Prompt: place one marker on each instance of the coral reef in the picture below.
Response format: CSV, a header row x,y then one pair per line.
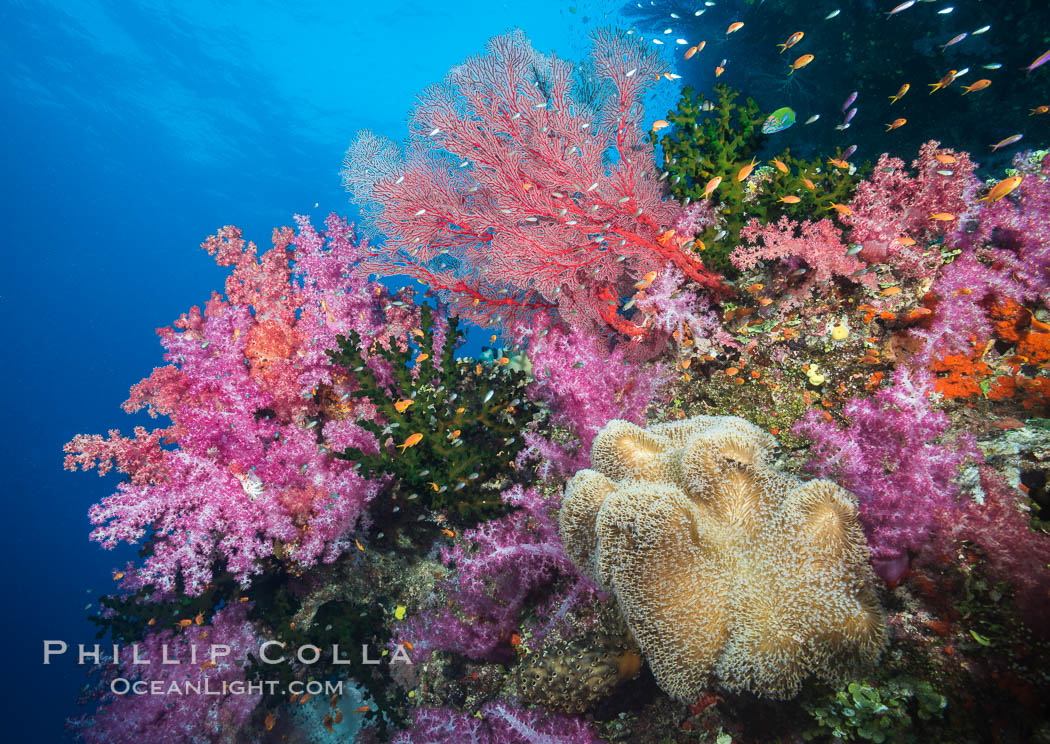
x,y
725,568
456,420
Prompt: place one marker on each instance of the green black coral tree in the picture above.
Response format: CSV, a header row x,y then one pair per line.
x,y
448,429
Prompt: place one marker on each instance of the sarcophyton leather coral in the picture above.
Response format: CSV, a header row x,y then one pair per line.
x,y
725,568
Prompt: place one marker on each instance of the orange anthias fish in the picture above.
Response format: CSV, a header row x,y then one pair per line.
x,y
363,709
719,70
942,216
327,723
645,280
896,124
269,721
945,159
412,441
118,576
790,199
801,62
734,26
745,171
1002,188
839,163
841,209
402,405
780,166
795,38
660,124
809,184
944,82
711,186
1039,110
978,85
900,94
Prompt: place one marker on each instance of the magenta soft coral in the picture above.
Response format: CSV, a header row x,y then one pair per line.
x,y
497,723
497,566
892,204
517,198
892,456
585,385
242,392
197,717
815,248
1015,553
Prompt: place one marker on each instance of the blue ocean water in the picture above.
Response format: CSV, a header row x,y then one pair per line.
x,y
132,131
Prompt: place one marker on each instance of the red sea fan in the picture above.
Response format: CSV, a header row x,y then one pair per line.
x,y
522,190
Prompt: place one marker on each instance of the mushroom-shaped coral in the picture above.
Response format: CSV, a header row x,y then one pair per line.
x,y
724,567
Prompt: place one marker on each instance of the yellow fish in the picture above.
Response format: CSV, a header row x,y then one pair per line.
x,y
795,38
900,94
711,186
801,62
402,405
809,184
979,85
944,82
412,441
790,199
422,357
734,26
839,163
841,209
745,171
942,216
645,280
780,165
896,124
1002,188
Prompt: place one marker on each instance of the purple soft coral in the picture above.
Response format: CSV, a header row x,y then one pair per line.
x,y
247,387
498,723
198,716
497,566
889,457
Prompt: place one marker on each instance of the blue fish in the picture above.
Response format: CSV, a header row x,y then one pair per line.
x,y
778,121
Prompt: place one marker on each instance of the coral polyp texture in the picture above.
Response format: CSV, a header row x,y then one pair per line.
x,y
725,568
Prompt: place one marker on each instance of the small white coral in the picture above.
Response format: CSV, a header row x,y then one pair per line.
x,y
724,567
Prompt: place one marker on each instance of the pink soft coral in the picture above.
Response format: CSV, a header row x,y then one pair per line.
x,y
893,204
247,388
814,249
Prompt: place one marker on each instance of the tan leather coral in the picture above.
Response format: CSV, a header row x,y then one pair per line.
x,y
724,567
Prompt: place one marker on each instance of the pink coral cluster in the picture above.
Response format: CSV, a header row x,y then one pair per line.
x,y
811,251
893,204
584,385
152,716
891,455
247,386
498,565
497,723
518,196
